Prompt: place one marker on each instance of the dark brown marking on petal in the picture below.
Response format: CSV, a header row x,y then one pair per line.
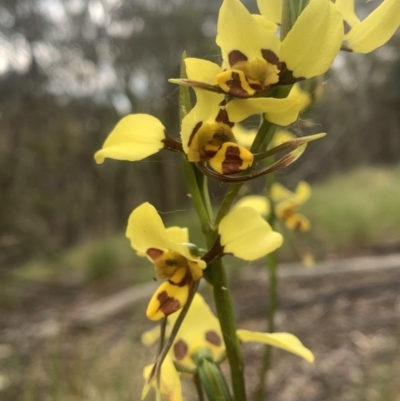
x,y
346,27
270,56
232,162
209,154
222,117
286,76
298,226
235,56
154,253
180,350
168,304
235,87
223,103
213,338
186,280
195,129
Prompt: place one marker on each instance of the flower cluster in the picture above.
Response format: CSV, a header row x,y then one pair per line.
x,y
265,57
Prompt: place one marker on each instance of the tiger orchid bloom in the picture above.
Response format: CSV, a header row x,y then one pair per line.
x,y
254,58
286,204
208,129
180,263
198,335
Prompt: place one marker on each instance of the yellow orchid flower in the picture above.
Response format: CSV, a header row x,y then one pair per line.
x,y
197,334
208,129
254,57
169,251
286,205
374,31
174,257
360,36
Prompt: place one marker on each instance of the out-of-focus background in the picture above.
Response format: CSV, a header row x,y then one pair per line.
x,y
69,70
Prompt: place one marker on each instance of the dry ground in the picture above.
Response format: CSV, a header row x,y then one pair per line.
x,y
351,321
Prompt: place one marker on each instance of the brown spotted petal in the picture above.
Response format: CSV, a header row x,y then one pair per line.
x,y
170,295
231,158
200,329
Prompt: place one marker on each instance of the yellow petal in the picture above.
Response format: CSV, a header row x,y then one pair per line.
x,y
177,234
346,8
268,25
202,70
279,193
239,31
135,137
278,111
196,333
303,192
170,385
285,341
146,229
170,296
231,158
280,137
376,29
149,337
315,39
245,137
271,10
301,96
257,202
246,235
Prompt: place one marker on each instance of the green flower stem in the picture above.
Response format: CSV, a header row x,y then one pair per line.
x,y
197,196
224,306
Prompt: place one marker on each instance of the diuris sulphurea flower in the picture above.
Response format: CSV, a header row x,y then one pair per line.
x,y
255,59
286,204
200,337
180,263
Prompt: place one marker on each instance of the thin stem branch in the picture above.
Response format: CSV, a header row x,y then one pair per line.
x,y
224,306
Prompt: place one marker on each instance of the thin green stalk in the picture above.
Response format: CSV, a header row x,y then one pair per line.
x,y
197,195
224,306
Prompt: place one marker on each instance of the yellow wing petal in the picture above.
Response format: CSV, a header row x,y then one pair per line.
x,y
257,202
135,137
246,235
376,29
285,341
146,229
315,39
271,10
